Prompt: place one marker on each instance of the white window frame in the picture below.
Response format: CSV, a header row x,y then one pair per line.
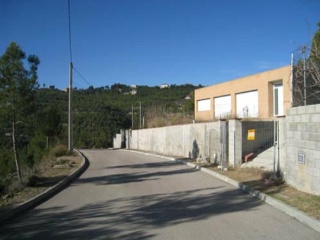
x,y
278,108
204,105
222,107
249,109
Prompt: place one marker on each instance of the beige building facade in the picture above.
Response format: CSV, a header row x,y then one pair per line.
x,y
261,96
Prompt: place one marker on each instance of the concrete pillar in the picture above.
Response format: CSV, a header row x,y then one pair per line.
x,y
235,143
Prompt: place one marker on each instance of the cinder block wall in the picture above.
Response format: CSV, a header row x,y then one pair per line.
x,y
303,148
119,140
235,143
298,144
282,145
192,140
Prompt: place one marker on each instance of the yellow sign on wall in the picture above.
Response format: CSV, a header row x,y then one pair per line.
x,y
251,134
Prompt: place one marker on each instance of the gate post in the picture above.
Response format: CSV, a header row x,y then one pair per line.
x,y
235,143
224,144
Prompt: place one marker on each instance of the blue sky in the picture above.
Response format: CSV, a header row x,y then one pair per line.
x,y
150,42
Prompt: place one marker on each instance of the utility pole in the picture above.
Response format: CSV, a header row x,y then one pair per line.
x,y
131,116
70,119
140,114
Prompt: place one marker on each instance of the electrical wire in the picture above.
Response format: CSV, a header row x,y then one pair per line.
x,y
70,45
83,78
70,48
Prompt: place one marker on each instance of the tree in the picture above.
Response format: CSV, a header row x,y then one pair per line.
x,y
17,86
306,78
315,47
49,122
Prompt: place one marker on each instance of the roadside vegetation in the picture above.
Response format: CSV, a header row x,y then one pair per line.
x,y
277,188
55,166
33,119
306,77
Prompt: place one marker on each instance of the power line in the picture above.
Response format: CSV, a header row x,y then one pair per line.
x,y
70,45
83,78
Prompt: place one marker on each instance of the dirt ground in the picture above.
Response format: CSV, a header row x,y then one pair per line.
x,y
265,182
45,176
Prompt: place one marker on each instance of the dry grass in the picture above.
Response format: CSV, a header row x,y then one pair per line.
x,y
168,120
47,174
262,181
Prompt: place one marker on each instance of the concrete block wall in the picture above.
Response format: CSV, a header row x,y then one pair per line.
x,y
192,140
298,149
119,140
303,148
282,145
235,143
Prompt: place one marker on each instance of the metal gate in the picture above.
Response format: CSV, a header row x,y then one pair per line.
x,y
260,146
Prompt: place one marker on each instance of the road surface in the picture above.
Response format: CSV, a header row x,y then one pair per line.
x,y
127,195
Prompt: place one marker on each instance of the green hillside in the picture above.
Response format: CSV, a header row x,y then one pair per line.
x,y
99,113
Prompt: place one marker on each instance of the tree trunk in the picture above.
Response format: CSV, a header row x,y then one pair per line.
x,y
15,151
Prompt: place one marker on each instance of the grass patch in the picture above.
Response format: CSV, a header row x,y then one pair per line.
x,y
59,150
41,177
262,181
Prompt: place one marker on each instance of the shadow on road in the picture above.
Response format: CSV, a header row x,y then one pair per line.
x,y
146,165
128,218
124,178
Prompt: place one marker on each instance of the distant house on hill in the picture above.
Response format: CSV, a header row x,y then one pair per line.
x,y
134,90
187,97
164,85
264,95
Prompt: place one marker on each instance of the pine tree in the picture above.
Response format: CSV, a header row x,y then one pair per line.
x,y
17,88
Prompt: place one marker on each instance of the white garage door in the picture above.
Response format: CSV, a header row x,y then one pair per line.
x,y
222,107
204,105
247,104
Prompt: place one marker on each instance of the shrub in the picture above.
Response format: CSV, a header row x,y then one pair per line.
x,y
59,150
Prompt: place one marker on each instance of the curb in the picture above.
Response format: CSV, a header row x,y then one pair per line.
x,y
50,192
290,211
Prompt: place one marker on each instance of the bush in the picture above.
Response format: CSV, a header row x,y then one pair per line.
x,y
59,151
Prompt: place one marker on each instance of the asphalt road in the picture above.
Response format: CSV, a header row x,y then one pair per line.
x,y
126,195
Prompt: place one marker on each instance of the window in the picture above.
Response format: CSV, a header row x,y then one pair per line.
x,y
222,107
204,105
278,99
247,104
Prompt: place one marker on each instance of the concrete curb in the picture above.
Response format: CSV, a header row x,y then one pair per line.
x,y
7,214
292,212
